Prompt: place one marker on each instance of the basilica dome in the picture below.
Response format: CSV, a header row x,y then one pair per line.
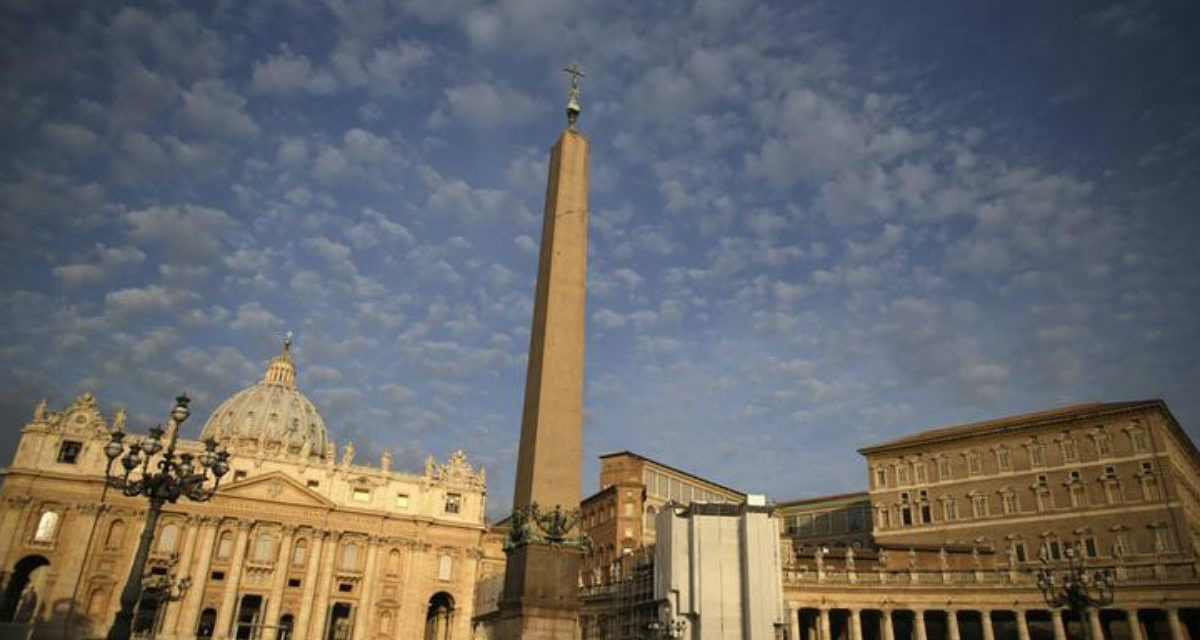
x,y
273,413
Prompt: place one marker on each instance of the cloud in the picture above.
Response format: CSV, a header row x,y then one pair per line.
x,y
252,316
485,104
211,108
186,232
286,72
102,263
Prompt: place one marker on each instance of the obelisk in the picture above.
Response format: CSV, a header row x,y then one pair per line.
x,y
541,594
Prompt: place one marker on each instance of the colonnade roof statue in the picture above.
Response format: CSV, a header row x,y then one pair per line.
x,y
273,412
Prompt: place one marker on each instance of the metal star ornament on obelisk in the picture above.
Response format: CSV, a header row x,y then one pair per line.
x,y
541,582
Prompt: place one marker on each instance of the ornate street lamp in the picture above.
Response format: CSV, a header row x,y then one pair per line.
x,y
161,588
176,475
1075,587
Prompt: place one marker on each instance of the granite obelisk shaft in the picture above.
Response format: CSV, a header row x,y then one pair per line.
x,y
541,596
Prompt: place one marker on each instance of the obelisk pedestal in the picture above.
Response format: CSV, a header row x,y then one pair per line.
x,y
541,592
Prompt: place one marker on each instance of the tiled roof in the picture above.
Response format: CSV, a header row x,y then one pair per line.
x,y
667,466
1010,423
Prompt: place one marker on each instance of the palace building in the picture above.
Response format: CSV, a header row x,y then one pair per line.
x,y
947,541
298,544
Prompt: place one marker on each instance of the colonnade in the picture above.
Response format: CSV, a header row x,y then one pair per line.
x,y
896,623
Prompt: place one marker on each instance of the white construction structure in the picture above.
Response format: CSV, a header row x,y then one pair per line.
x,y
717,567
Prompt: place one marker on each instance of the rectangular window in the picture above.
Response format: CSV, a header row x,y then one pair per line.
x,y
1037,455
922,472
676,490
950,509
1002,461
1055,549
880,477
453,502
628,509
902,474
1103,444
1089,547
1010,503
401,501
906,515
68,451
926,514
445,567
313,484
1020,549
943,468
979,506
1138,437
293,583
361,495
1069,450
239,475
974,466
687,494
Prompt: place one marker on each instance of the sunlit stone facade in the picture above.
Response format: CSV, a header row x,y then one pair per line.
x,y
299,543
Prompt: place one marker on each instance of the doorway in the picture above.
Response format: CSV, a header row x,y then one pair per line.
x,y
21,596
247,623
339,622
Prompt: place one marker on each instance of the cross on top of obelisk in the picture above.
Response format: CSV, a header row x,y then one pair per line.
x,y
573,108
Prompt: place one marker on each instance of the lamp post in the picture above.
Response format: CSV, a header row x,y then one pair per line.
x,y
1075,587
164,588
176,475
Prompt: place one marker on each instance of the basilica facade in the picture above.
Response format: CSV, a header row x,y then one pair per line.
x,y
299,543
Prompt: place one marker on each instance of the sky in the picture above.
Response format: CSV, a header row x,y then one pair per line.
x,y
814,226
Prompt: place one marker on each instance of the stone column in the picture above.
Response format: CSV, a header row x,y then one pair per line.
x,y
919,625
18,507
985,621
316,625
856,624
199,570
885,624
1093,623
183,568
1060,631
1178,631
313,562
362,619
282,563
1022,625
229,597
952,624
826,633
1135,625
794,623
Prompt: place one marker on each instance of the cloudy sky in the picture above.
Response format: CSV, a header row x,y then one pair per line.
x,y
814,225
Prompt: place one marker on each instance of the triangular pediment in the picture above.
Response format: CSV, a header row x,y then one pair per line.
x,y
274,487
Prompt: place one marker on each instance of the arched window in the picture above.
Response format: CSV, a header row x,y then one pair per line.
x,y
47,527
393,562
97,602
350,557
225,546
116,534
298,553
262,547
168,537
208,620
